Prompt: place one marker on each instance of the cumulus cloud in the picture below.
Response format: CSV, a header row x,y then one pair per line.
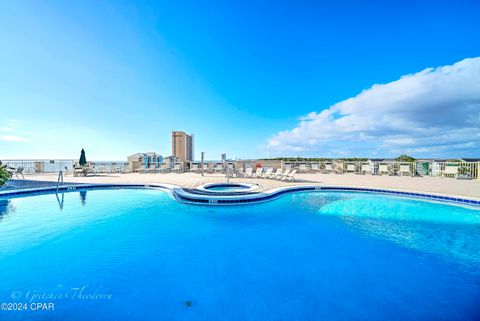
x,y
435,111
10,126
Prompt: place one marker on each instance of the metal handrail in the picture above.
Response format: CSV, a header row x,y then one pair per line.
x,y
60,177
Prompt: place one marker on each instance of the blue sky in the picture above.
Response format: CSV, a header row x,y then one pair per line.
x,y
247,78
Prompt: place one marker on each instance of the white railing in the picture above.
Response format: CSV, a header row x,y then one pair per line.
x,y
32,166
455,169
110,167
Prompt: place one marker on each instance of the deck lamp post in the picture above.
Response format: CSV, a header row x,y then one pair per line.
x,y
203,157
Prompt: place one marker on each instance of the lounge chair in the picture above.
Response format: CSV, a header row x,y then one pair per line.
x,y
83,170
238,172
19,170
290,176
141,169
405,169
177,168
328,167
281,175
451,171
194,168
350,168
267,173
366,168
249,172
315,167
205,168
303,168
383,169
278,172
258,172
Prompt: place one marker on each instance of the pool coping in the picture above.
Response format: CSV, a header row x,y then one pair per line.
x,y
215,199
250,188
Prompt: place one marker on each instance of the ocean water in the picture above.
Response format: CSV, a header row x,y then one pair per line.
x,y
137,254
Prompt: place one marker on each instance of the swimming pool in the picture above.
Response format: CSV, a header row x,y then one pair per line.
x,y
138,254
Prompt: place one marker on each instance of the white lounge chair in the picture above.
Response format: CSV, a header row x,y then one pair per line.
x,y
290,176
267,173
177,168
366,168
451,171
303,167
315,167
19,171
281,175
258,172
205,168
249,172
194,168
328,167
350,168
405,169
278,172
383,169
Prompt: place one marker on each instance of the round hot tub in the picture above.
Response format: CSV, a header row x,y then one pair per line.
x,y
227,188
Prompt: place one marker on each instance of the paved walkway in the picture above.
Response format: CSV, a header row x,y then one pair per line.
x,y
435,185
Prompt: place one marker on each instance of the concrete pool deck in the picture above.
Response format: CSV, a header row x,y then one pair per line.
x,y
433,185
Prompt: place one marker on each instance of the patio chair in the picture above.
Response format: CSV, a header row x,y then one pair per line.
x,y
205,168
451,171
405,169
383,169
141,169
267,173
239,172
281,175
315,167
350,168
303,167
290,176
278,172
365,168
249,172
328,168
258,172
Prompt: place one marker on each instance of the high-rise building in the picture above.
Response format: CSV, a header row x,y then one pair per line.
x,y
182,146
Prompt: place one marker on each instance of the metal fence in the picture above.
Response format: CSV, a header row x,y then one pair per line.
x,y
455,169
110,167
32,166
468,170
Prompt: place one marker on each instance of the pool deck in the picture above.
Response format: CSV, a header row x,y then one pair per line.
x,y
433,185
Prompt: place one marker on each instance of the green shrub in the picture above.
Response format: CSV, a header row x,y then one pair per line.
x,y
4,176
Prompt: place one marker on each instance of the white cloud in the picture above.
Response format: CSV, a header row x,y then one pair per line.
x,y
10,138
11,126
435,111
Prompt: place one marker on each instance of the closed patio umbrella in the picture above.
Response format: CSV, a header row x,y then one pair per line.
x,y
83,159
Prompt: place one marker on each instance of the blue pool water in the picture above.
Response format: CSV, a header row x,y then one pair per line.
x,y
139,255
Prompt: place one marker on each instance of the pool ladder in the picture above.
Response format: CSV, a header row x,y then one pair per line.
x,y
60,179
